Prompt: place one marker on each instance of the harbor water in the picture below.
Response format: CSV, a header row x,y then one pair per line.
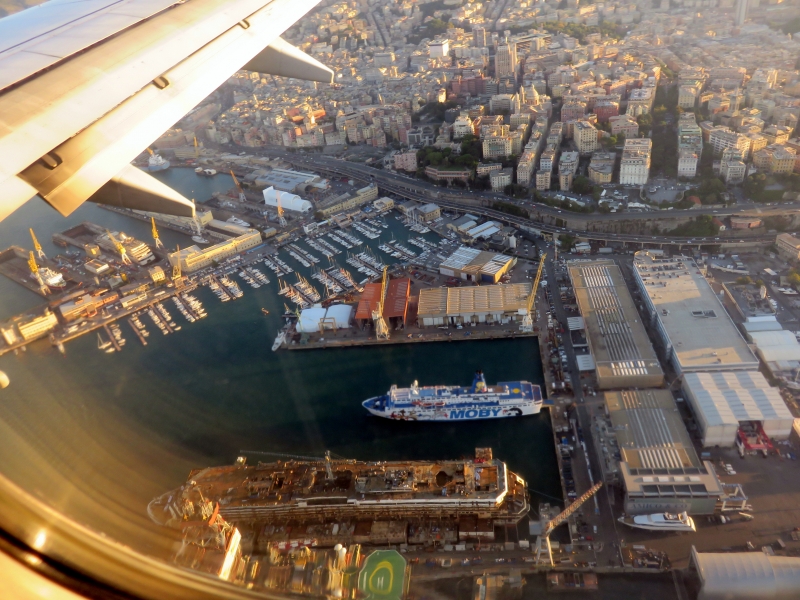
x,y
129,425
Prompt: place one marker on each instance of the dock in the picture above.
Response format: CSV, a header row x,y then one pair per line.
x,y
405,338
114,341
137,332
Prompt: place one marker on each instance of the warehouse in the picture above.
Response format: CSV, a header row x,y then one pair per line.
x,y
287,200
694,328
317,318
367,303
746,575
395,307
779,350
477,304
471,264
618,342
721,402
658,466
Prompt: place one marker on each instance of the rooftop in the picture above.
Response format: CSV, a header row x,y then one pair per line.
x,y
619,342
483,299
700,332
649,430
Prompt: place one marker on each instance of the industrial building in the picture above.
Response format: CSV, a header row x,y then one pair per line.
x,y
474,304
691,322
658,466
746,575
287,180
317,319
471,264
287,200
721,402
621,351
194,258
395,305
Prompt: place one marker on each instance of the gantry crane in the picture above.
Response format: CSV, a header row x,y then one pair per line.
x,y
381,329
527,320
156,239
123,253
242,197
281,220
543,541
37,246
36,275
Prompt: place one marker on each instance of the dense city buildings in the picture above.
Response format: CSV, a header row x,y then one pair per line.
x,y
635,164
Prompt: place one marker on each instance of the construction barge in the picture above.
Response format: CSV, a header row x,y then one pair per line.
x,y
326,502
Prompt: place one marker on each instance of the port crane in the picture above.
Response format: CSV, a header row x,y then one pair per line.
x,y
242,197
527,320
196,149
543,541
37,246
35,272
381,329
176,268
123,253
281,219
156,239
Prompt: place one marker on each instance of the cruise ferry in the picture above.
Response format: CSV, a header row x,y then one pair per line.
x,y
52,278
456,403
156,163
661,522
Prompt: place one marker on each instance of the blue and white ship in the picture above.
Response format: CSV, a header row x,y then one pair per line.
x,y
456,403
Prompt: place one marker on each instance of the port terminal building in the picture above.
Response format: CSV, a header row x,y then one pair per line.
x,y
474,304
620,348
647,450
195,258
471,264
723,402
689,318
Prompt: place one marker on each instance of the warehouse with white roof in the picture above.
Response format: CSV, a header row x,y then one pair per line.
x,y
722,401
471,264
287,200
746,575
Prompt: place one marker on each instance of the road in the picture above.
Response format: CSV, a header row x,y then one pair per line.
x,y
317,161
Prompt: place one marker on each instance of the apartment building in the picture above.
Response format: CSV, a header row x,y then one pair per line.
x,y
721,138
635,164
601,167
496,147
585,136
775,159
624,124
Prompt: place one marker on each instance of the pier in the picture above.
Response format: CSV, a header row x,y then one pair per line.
x,y
114,341
137,332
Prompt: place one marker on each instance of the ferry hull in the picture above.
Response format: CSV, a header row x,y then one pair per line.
x,y
455,414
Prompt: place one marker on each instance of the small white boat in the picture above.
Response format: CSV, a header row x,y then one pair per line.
x,y
661,522
281,337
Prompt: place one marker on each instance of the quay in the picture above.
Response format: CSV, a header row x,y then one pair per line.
x,y
406,338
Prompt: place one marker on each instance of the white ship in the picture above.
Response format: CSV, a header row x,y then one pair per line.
x,y
456,403
156,162
52,278
239,222
281,337
661,522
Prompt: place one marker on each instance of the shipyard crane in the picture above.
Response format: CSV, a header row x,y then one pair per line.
x,y
381,329
36,275
37,246
123,253
527,320
242,197
281,220
196,149
543,541
156,239
150,151
176,268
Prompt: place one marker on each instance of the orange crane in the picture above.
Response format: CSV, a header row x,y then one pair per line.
x,y
156,239
35,272
37,246
281,220
242,197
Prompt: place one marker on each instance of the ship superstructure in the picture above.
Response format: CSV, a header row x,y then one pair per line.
x,y
457,403
135,249
480,488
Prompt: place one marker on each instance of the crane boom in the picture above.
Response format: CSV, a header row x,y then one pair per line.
x,y
238,185
381,329
37,246
543,541
123,253
527,320
156,239
35,272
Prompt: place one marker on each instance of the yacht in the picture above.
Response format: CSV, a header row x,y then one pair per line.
x,y
661,522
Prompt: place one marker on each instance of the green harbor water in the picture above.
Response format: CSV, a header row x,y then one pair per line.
x,y
98,435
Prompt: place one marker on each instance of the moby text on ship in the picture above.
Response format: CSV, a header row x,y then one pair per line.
x,y
456,403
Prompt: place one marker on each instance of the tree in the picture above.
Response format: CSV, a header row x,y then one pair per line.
x,y
794,278
567,242
746,280
582,185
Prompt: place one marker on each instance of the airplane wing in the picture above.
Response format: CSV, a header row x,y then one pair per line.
x,y
86,85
